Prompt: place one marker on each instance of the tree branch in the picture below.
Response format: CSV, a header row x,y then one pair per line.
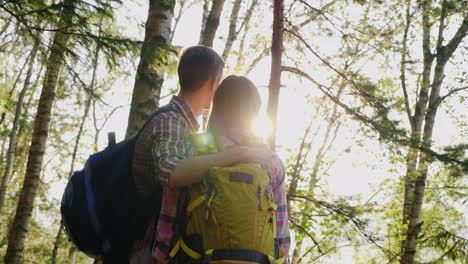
x,y
357,223
308,234
388,133
451,92
404,52
457,38
443,14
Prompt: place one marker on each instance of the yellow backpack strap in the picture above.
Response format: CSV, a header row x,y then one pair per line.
x,y
192,253
181,245
273,206
194,204
175,249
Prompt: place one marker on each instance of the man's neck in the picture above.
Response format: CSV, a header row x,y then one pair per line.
x,y
193,101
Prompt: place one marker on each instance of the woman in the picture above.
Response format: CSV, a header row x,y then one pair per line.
x,y
236,105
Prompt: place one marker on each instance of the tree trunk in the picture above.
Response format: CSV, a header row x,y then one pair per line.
x,y
415,216
415,221
326,143
58,237
25,206
77,143
148,82
275,76
212,23
206,11
14,130
13,88
420,109
246,26
177,19
297,169
232,34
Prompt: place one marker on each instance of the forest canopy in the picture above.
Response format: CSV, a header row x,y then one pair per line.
x,y
366,102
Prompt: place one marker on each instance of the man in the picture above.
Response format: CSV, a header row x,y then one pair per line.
x,y
161,154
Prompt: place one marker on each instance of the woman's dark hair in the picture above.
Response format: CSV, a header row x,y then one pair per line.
x,y
197,65
235,106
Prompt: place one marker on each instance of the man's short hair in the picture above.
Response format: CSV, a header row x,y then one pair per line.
x,y
197,65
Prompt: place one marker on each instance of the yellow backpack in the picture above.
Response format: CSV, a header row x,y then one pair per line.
x,y
231,213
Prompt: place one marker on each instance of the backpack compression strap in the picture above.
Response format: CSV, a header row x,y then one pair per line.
x,y
245,256
241,255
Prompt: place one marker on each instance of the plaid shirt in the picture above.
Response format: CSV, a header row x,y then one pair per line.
x,y
275,169
158,149
168,145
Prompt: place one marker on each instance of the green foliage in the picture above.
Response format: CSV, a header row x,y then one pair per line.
x,y
365,32
159,56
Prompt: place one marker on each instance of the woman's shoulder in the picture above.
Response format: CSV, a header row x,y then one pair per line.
x,y
275,168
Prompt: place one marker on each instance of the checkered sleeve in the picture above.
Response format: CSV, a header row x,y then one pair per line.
x,y
169,148
279,193
169,145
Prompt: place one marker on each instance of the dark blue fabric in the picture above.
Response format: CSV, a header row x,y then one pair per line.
x,y
101,210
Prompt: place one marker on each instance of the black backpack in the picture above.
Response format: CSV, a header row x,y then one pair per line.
x,y
101,211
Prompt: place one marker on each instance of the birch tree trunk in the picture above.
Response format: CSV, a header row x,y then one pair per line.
x,y
25,206
442,56
275,76
206,11
232,34
212,23
177,18
148,81
420,109
14,130
246,24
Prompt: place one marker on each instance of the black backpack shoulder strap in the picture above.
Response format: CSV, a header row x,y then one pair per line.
x,y
161,110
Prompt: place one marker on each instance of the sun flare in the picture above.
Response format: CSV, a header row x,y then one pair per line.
x,y
262,127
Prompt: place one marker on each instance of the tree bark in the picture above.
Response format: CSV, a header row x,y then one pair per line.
x,y
148,81
212,23
13,88
177,18
232,34
14,130
297,169
206,11
443,54
25,206
233,31
275,76
58,237
420,109
240,57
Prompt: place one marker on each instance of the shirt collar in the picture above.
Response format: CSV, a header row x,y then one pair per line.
x,y
186,112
